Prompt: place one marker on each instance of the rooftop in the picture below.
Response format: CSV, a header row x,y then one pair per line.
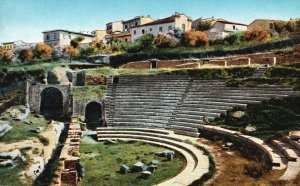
x,y
68,31
233,23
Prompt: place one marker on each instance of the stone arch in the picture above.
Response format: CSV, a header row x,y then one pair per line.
x,y
116,80
51,102
93,114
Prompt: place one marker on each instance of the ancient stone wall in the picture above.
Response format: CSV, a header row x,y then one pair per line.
x,y
161,64
35,96
80,106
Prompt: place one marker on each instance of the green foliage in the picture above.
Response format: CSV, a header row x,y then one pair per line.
x,y
146,41
76,41
161,41
10,175
271,118
291,26
86,51
89,92
204,26
128,153
280,26
22,131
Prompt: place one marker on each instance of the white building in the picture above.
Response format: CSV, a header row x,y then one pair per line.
x,y
114,27
222,28
62,38
162,26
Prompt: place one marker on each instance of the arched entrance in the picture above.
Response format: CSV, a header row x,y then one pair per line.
x,y
51,102
93,114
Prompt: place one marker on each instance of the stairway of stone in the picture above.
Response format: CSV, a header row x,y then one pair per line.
x,y
145,101
110,100
208,99
197,161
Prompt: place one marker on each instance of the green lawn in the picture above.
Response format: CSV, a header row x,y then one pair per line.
x,y
89,92
9,175
102,169
22,131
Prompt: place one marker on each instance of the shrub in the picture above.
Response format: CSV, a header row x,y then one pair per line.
x,y
25,54
5,56
42,50
71,51
161,41
204,26
257,36
86,51
279,26
146,41
290,26
196,38
76,41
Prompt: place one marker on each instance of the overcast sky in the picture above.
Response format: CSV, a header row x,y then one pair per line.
x,y
26,19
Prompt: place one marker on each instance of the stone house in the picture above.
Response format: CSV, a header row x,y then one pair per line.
x,y
137,21
262,24
11,47
114,27
99,35
61,38
222,28
162,26
212,21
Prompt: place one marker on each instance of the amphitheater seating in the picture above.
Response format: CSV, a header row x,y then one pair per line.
x,y
177,103
197,162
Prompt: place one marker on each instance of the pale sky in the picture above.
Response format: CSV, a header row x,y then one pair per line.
x,y
26,19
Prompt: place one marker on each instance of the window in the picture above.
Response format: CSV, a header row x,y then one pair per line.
x,y
169,27
183,26
134,32
150,29
271,25
55,35
126,40
126,26
233,27
161,29
136,23
47,37
143,31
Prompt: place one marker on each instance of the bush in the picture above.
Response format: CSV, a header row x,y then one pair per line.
x,y
42,50
204,26
290,26
279,26
76,41
257,36
86,51
25,54
146,41
161,41
196,38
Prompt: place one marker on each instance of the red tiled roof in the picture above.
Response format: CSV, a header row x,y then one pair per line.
x,y
233,23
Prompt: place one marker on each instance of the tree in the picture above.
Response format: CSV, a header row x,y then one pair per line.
x,y
204,26
256,36
25,54
5,56
86,51
161,41
279,26
196,38
42,50
146,41
290,25
76,41
71,51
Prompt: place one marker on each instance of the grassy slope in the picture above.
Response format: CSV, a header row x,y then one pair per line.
x,y
103,168
89,92
22,131
271,118
9,176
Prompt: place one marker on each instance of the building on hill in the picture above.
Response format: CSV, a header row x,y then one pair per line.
x,y
212,21
162,26
137,21
121,37
114,27
11,47
99,35
61,38
222,28
262,24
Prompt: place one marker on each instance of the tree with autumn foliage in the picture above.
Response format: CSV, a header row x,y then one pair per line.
x,y
25,54
71,51
257,36
42,50
196,38
5,56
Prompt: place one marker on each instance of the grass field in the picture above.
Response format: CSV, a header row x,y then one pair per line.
x,y
9,175
102,163
89,92
22,131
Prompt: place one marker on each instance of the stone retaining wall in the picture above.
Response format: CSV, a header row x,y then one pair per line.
x,y
161,64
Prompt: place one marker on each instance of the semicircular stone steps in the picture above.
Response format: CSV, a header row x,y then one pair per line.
x,y
197,162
